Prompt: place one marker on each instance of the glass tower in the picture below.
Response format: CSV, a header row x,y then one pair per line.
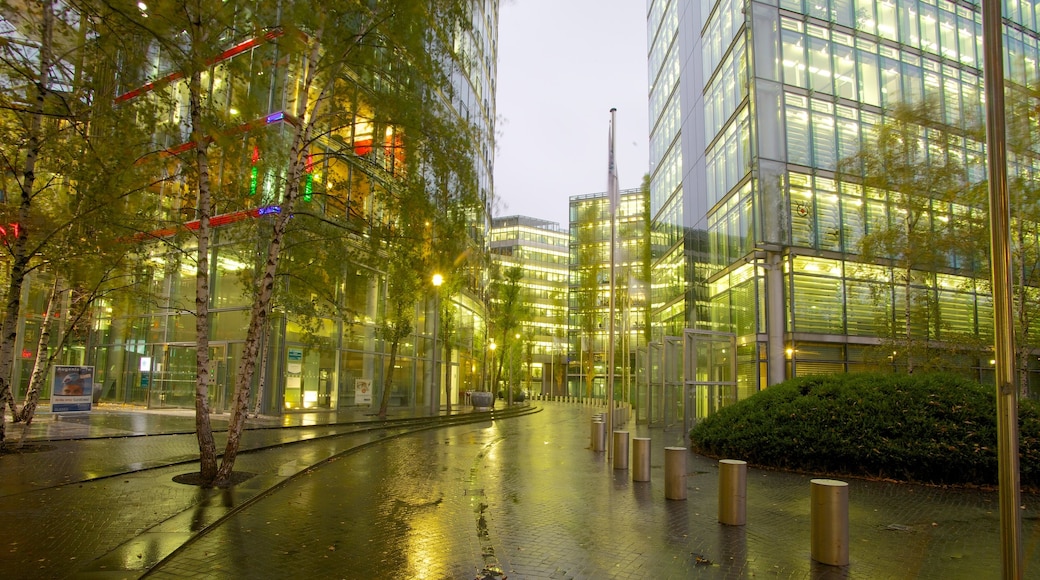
x,y
590,272
754,105
540,247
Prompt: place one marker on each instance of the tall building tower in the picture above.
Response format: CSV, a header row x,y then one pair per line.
x,y
590,293
540,248
753,107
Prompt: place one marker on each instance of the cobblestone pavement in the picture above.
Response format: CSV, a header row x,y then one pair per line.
x,y
523,495
107,508
528,497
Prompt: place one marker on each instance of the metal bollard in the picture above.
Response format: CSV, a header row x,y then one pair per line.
x,y
641,458
732,492
599,435
620,449
675,473
829,521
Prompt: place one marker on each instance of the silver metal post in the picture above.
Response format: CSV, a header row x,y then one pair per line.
x,y
732,492
829,521
641,459
599,433
620,449
675,473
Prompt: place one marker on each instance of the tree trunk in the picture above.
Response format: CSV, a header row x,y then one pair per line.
x,y
262,374
43,357
1023,314
42,364
906,298
262,302
906,321
19,255
388,384
203,427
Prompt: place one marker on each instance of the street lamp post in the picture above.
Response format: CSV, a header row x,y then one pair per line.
x,y
492,348
436,386
509,382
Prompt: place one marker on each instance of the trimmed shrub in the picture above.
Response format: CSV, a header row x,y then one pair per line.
x,y
929,428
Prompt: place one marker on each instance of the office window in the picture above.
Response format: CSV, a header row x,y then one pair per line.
x,y
797,122
820,65
824,147
869,85
794,58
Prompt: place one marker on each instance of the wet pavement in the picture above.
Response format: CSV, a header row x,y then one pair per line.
x,y
524,496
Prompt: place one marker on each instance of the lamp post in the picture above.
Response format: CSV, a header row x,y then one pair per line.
x,y
509,380
492,347
435,390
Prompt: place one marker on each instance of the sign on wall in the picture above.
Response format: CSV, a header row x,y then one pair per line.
x,y
72,389
362,391
295,362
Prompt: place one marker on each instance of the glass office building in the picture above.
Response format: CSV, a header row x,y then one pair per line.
x,y
753,105
144,349
540,248
589,312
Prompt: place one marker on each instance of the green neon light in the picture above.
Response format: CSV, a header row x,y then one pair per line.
x,y
308,187
252,180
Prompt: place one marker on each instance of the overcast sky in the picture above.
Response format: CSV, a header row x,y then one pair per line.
x,y
562,65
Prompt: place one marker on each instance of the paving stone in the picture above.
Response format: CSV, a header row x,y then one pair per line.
x,y
524,495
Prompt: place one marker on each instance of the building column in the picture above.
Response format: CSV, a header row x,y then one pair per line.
x,y
776,364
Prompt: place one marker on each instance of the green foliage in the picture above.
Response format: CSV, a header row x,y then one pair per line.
x,y
930,428
911,166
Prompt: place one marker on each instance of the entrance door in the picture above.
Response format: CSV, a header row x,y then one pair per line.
x,y
219,387
173,380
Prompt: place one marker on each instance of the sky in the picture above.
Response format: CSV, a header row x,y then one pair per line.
x,y
562,65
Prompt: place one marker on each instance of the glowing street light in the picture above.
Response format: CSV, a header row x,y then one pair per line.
x,y
436,387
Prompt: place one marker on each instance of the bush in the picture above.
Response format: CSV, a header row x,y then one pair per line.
x,y
931,428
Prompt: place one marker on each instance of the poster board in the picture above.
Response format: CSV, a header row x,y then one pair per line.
x,y
362,391
72,388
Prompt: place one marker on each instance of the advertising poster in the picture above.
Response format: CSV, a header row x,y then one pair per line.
x,y
362,391
72,389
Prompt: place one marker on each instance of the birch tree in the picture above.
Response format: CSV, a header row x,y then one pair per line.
x,y
72,171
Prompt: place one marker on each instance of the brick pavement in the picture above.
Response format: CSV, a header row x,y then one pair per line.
x,y
528,496
525,495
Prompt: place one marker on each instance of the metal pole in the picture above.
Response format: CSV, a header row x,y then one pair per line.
x,y
675,472
620,449
435,391
732,492
641,458
829,521
1003,328
612,193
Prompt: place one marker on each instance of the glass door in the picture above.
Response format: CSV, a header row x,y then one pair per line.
x,y
171,384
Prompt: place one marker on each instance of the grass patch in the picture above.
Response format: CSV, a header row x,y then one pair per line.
x,y
930,428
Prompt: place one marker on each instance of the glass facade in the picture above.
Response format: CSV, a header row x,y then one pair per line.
x,y
589,292
144,348
541,248
772,226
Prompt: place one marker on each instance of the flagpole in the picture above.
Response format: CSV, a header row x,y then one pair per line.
x,y
1008,469
612,193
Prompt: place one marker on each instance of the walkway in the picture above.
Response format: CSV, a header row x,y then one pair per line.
x,y
524,495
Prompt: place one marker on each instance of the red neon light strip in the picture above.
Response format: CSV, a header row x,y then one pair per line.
x,y
243,128
231,52
215,221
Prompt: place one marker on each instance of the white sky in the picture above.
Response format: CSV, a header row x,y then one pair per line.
x,y
562,65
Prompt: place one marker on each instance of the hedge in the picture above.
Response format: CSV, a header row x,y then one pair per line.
x,y
930,428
